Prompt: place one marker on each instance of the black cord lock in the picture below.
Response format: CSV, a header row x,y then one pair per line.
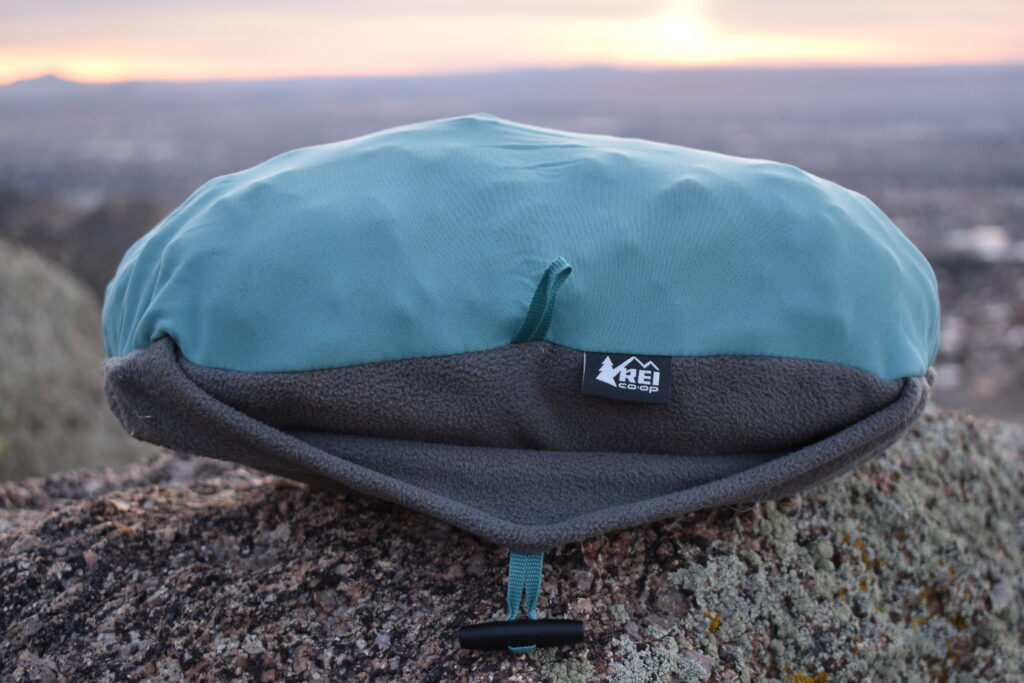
x,y
501,635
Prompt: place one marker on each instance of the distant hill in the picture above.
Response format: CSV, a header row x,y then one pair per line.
x,y
43,86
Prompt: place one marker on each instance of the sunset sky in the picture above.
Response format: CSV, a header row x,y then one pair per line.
x,y
104,40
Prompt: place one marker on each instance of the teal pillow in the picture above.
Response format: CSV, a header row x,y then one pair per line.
x,y
535,335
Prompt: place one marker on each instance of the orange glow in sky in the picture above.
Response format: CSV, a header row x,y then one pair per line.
x,y
106,40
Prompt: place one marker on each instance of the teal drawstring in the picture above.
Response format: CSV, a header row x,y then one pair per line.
x,y
538,317
524,574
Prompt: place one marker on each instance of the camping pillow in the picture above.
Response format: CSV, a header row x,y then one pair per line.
x,y
535,335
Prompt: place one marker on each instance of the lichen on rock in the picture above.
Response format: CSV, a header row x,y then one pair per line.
x,y
909,568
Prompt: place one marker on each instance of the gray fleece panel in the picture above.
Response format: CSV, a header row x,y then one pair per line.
x,y
528,499
528,395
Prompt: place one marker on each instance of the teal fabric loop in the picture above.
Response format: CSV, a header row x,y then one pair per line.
x,y
524,575
538,317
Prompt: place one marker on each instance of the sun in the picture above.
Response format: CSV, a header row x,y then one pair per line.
x,y
681,36
677,36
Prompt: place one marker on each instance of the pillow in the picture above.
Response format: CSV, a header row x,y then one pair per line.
x,y
535,335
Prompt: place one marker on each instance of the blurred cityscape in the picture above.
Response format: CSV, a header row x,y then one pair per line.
x,y
87,168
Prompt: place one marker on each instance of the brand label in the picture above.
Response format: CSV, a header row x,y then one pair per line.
x,y
627,377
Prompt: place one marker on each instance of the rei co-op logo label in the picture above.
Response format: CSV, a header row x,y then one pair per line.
x,y
627,377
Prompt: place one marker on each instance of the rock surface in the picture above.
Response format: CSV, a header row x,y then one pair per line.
x,y
908,569
53,415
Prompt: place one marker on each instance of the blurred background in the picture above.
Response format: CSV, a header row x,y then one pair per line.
x,y
113,111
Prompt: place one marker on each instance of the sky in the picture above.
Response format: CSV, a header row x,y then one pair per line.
x,y
110,40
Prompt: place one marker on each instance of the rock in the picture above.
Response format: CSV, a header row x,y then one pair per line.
x,y
53,415
909,568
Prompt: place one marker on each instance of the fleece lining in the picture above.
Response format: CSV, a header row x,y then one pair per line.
x,y
527,498
527,395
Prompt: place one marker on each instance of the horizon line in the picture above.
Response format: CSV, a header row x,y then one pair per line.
x,y
636,68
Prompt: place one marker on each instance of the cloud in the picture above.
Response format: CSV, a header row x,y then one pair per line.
x,y
46,22
796,17
58,10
